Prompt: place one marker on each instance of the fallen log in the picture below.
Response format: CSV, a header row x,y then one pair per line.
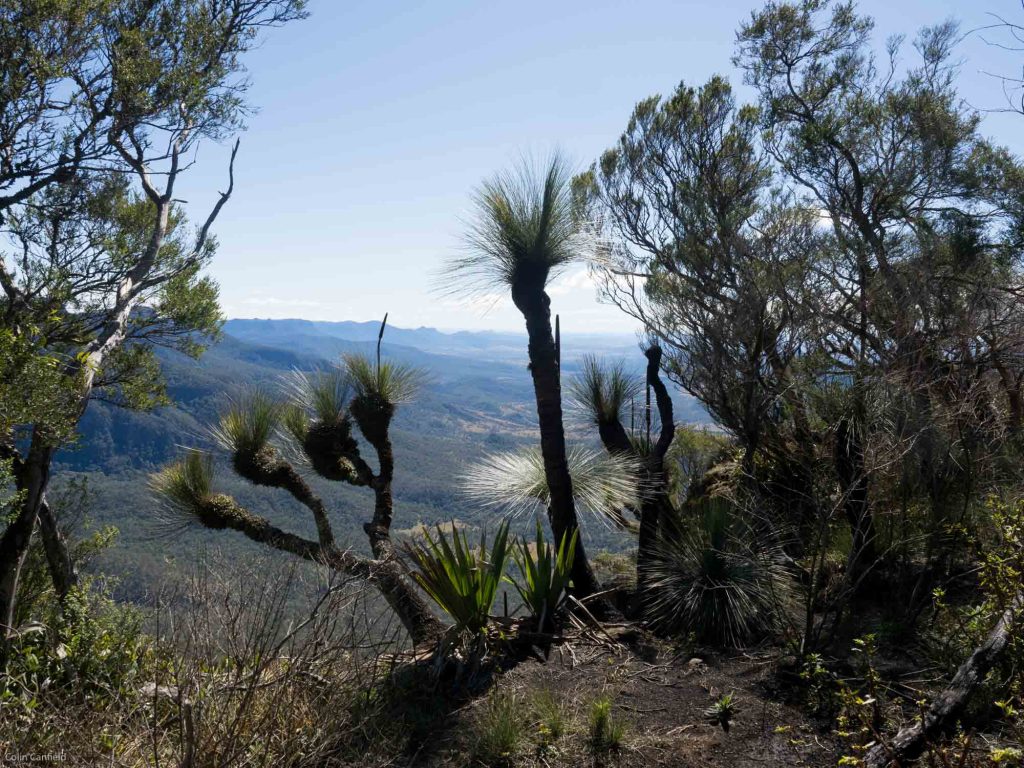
x,y
911,740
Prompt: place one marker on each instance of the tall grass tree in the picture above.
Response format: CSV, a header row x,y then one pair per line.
x,y
523,234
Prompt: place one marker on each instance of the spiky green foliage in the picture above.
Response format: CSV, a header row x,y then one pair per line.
x,y
249,423
463,581
602,389
722,712
523,231
186,484
296,424
714,576
544,573
317,428
322,394
394,383
514,482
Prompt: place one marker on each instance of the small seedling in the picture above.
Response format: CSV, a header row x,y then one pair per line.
x,y
606,732
722,711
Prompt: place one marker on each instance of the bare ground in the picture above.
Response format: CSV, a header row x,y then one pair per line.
x,y
660,696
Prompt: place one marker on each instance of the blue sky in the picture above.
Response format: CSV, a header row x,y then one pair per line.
x,y
376,120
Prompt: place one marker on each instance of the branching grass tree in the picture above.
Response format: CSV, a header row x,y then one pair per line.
x,y
269,438
106,103
523,234
603,391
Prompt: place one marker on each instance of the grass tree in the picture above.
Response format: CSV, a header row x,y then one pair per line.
x,y
602,391
523,234
606,485
268,438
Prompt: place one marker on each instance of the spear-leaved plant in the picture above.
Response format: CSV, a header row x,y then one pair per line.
x,y
462,580
545,573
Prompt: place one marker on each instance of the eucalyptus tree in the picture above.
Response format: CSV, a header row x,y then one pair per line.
x,y
99,262
49,128
271,441
524,233
919,204
698,246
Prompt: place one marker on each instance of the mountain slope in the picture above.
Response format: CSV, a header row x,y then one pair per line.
x,y
472,405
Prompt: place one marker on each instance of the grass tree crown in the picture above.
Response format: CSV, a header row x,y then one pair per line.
x,y
523,232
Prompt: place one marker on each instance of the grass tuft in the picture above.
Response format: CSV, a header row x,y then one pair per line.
x,y
394,383
606,731
499,730
321,394
514,483
603,389
550,716
248,424
715,577
523,231
186,484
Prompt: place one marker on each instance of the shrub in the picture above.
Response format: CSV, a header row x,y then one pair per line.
x,y
713,577
462,581
545,573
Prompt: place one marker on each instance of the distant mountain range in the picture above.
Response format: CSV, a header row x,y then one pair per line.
x,y
485,345
478,399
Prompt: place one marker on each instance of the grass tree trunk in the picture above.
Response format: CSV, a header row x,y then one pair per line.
x,y
853,480
655,504
536,308
387,576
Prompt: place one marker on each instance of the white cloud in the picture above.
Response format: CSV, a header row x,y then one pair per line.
x,y
572,283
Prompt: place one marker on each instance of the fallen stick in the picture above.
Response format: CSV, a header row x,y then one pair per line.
x,y
911,741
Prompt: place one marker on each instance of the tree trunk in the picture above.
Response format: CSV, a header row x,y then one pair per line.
x,y
58,555
911,741
853,482
656,501
34,474
386,575
536,308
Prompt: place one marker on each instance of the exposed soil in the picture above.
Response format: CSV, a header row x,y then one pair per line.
x,y
661,696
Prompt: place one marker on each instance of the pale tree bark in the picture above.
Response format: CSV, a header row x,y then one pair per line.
x,y
141,280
